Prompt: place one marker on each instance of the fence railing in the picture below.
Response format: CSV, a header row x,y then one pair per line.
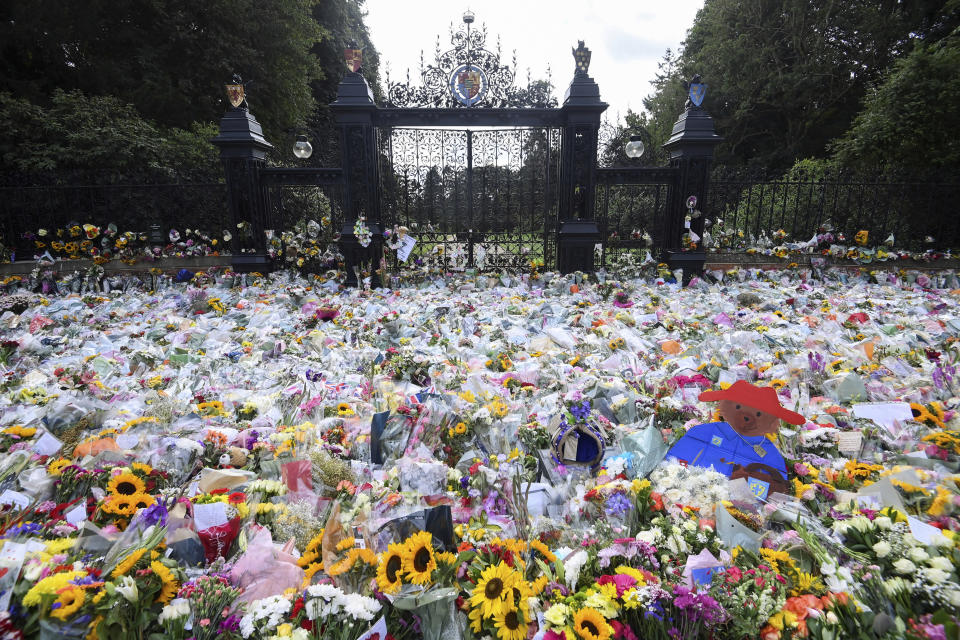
x,y
24,210
918,214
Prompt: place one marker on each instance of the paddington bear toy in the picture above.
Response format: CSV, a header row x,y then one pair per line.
x,y
739,447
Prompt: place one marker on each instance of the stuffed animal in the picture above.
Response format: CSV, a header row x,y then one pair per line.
x,y
738,447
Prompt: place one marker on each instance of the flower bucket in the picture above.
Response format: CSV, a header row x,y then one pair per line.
x,y
437,613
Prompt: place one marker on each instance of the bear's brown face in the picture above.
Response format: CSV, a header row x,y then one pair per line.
x,y
747,421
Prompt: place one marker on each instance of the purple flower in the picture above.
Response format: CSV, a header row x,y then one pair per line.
x,y
230,624
617,505
154,514
581,412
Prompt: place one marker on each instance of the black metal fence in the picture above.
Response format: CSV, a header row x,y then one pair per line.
x,y
920,214
27,208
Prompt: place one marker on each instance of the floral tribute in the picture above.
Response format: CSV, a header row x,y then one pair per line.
x,y
462,457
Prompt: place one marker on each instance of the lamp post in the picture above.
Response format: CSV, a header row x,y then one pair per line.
x,y
634,148
640,142
302,147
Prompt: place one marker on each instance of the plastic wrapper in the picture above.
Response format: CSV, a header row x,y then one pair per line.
x,y
264,569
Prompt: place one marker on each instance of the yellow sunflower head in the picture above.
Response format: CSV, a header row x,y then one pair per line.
x,y
128,563
418,560
511,625
142,500
309,572
125,484
389,571
120,505
495,584
589,624
168,584
344,409
56,467
145,469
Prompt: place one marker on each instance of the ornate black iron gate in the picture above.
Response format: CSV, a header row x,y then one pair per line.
x,y
473,198
481,172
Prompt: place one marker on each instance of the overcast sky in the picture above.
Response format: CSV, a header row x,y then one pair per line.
x,y
627,38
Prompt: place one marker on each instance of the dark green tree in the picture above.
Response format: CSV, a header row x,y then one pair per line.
x,y
787,76
168,58
910,120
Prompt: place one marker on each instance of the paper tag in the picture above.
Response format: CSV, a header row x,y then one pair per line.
x,y
11,561
47,445
868,501
15,498
377,632
849,441
127,441
359,543
922,531
209,515
76,515
406,246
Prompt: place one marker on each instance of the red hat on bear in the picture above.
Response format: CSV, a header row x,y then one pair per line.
x,y
761,398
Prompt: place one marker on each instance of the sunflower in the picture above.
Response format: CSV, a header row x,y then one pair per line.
x,y
538,585
145,469
344,409
492,588
168,583
142,500
389,578
589,624
125,484
309,572
510,625
127,563
344,565
308,558
447,558
922,414
56,467
69,600
418,560
544,551
120,505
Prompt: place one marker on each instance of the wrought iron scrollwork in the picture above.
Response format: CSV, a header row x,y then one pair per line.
x,y
475,74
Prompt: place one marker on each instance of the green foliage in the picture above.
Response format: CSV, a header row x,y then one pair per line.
x,y
168,58
786,77
911,118
78,132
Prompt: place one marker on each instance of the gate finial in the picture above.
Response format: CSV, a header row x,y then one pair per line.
x,y
581,56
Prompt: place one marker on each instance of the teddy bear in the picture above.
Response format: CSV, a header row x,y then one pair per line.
x,y
739,447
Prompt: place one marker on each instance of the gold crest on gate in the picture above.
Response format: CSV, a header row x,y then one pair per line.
x,y
235,94
353,58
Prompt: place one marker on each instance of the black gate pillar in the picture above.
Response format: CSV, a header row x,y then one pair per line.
x,y
243,151
355,110
691,152
582,108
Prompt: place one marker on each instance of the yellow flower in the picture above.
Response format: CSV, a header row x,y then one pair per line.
x,y
510,625
168,583
774,558
51,585
589,624
807,583
490,594
127,563
460,429
125,484
389,577
418,559
344,409
783,619
69,600
542,549
56,467
145,469
142,500
309,572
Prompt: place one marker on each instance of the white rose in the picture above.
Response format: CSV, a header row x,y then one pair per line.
x,y
917,554
832,617
941,541
954,597
937,576
882,549
828,569
904,566
940,562
883,522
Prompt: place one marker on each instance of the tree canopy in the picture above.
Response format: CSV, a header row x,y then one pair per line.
x,y
788,77
169,60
